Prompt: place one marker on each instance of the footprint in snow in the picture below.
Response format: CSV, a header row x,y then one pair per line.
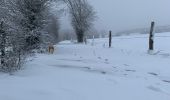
x,y
99,57
156,89
87,68
103,72
126,65
114,67
167,81
129,70
152,73
106,60
125,74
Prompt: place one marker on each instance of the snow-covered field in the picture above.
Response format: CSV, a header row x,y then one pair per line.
x,y
85,72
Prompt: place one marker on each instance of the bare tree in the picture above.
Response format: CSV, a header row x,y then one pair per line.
x,y
53,28
82,16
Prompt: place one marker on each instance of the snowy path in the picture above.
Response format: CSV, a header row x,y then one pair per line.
x,y
85,72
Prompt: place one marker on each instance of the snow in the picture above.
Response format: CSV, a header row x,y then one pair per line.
x,y
95,72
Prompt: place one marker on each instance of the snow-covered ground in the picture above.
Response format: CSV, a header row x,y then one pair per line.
x,y
95,72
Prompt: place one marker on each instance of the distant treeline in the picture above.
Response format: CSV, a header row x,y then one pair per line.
x,y
158,29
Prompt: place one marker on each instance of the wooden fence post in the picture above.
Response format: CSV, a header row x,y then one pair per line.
x,y
92,41
85,39
151,36
110,39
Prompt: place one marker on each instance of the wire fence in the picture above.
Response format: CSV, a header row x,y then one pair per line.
x,y
140,37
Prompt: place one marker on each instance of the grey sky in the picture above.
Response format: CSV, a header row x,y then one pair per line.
x,y
118,15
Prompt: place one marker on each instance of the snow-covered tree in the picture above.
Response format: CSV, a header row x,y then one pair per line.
x,y
22,29
34,19
11,48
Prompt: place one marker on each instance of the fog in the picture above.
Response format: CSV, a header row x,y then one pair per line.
x,y
120,15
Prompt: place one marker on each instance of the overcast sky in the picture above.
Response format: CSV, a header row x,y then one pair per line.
x,y
119,15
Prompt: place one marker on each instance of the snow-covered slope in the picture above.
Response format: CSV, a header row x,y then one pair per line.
x,y
95,72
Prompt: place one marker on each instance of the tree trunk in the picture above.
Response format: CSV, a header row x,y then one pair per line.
x,y
3,41
80,37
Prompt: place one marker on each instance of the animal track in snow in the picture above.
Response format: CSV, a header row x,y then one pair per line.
x,y
99,57
152,73
167,81
156,89
129,70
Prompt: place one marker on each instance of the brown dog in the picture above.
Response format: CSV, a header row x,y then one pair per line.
x,y
51,49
